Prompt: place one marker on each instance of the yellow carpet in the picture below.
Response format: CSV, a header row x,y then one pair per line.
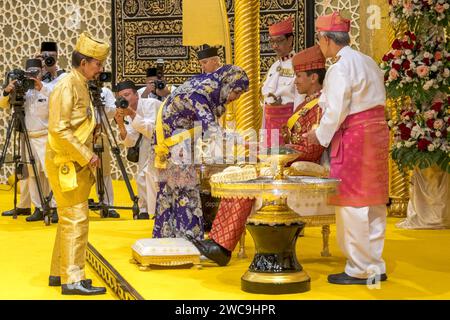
x,y
417,263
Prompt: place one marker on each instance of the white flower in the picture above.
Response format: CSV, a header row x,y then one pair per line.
x,y
446,73
409,143
427,54
438,124
431,147
446,6
390,123
433,68
399,144
428,84
410,57
398,61
438,134
429,114
408,52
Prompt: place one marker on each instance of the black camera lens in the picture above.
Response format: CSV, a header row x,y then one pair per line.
x,y
105,77
159,84
121,102
49,61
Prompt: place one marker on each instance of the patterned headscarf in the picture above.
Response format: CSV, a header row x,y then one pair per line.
x,y
215,86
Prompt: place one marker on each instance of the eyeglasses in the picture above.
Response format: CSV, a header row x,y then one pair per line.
x,y
277,42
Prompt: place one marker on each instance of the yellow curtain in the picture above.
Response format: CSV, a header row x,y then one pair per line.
x,y
206,21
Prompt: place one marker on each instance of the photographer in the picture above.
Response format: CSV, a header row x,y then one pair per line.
x,y
49,56
156,87
136,125
36,122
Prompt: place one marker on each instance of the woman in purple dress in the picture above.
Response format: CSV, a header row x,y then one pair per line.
x,y
199,101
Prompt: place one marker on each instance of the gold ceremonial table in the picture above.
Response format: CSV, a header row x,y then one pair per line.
x,y
275,228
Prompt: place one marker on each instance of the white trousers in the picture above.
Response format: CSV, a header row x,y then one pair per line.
x,y
24,198
34,191
360,234
141,191
151,192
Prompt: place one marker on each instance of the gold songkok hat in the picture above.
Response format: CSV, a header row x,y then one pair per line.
x,y
91,47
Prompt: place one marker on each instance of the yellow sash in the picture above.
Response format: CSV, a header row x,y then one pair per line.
x,y
293,119
163,144
67,173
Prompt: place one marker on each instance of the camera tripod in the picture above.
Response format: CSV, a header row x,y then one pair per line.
x,y
103,128
17,126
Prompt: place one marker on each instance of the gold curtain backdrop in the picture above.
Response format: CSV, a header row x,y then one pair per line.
x,y
147,30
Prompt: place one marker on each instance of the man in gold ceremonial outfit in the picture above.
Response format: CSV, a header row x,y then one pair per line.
x,y
70,164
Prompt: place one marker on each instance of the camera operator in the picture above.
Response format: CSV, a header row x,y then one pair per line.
x,y
156,86
209,59
137,123
36,122
49,56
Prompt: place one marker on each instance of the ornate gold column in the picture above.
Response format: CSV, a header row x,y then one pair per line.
x,y
398,181
246,48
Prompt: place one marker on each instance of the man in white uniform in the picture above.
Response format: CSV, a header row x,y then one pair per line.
x,y
49,56
150,90
353,123
138,118
278,90
51,74
36,122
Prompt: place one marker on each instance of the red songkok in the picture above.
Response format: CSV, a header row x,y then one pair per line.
x,y
333,22
281,28
309,59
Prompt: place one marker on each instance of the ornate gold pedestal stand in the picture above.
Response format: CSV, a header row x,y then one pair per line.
x,y
275,228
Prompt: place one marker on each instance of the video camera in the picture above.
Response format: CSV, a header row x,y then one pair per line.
x,y
98,83
24,82
23,79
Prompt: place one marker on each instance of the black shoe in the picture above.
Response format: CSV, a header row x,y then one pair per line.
x,y
143,216
343,278
213,251
92,204
19,211
37,215
113,214
55,281
55,217
82,288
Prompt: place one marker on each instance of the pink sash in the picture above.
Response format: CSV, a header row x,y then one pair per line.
x,y
359,157
275,117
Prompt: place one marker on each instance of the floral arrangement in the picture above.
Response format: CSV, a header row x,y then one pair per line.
x,y
416,12
417,72
422,135
415,67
